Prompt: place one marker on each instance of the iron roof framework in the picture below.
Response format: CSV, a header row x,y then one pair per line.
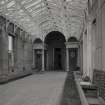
x,y
37,16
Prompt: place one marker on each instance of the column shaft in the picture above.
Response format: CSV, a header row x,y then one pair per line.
x,y
67,59
33,58
43,67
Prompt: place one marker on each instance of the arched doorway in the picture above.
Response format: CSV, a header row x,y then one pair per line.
x,y
73,53
56,51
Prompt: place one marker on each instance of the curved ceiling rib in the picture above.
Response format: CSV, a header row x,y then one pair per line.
x,y
42,15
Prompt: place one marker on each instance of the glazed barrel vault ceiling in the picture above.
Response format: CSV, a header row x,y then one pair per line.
x,y
38,17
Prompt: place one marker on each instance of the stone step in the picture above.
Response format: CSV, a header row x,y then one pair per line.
x,y
94,101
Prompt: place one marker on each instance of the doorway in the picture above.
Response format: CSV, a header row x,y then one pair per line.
x,y
56,51
57,59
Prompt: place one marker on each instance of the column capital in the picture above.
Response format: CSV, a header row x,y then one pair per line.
x,y
72,44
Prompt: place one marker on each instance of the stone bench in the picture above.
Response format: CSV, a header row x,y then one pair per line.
x,y
89,96
99,81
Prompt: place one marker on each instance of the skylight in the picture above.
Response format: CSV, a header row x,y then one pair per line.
x,y
30,13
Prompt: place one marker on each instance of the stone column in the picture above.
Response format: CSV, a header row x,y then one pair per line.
x,y
67,59
34,58
12,59
47,61
43,61
78,57
89,51
84,54
81,57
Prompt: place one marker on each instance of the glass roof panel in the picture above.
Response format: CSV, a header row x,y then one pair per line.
x,y
37,15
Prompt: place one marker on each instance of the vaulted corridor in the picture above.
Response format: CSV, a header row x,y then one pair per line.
x,y
51,38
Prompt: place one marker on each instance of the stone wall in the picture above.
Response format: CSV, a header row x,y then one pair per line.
x,y
3,50
97,16
22,51
96,19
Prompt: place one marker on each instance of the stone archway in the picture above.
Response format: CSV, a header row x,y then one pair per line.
x,y
56,51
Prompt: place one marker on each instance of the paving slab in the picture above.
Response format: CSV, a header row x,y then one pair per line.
x,y
38,89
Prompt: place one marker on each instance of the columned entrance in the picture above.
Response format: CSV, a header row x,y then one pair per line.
x,y
72,54
55,54
56,51
38,55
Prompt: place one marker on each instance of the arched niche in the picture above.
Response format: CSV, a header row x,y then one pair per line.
x,y
72,39
37,44
37,41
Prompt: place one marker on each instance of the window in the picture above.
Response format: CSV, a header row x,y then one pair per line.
x,y
10,43
10,50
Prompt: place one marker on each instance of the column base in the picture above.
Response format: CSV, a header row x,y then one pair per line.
x,y
43,70
67,70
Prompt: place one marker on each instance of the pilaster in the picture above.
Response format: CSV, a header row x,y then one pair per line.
x,y
43,59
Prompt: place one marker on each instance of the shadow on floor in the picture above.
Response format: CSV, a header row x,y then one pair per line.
x,y
70,94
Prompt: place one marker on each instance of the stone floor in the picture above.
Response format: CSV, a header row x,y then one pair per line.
x,y
37,89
